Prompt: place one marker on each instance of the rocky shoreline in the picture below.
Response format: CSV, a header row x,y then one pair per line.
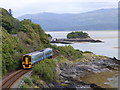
x,y
70,41
71,74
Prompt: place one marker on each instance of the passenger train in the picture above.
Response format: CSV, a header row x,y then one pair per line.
x,y
31,58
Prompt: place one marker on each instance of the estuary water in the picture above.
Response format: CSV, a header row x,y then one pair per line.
x,y
109,47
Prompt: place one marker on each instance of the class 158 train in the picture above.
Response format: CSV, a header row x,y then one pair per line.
x,y
28,60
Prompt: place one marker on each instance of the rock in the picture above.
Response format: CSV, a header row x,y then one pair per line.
x,y
50,85
58,69
96,87
114,58
70,41
70,73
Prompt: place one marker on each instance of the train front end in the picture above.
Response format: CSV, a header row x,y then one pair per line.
x,y
27,61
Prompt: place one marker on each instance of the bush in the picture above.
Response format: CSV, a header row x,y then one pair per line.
x,y
24,87
45,70
35,78
49,36
28,81
70,52
88,52
61,59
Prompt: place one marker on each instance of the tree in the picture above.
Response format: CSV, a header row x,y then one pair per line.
x,y
74,35
10,12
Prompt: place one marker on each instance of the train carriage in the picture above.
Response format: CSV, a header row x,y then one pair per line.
x,y
48,53
31,58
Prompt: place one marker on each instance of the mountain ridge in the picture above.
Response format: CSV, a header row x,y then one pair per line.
x,y
102,19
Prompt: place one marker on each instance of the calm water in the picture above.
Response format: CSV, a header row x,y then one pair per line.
x,y
108,48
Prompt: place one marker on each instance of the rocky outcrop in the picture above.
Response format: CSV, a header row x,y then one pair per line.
x,y
70,73
70,41
82,40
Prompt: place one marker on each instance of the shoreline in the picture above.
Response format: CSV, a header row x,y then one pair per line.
x,y
92,73
71,41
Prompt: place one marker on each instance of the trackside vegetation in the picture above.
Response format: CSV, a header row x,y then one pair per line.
x,y
70,53
45,70
19,38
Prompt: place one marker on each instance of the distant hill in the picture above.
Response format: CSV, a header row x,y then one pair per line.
x,y
102,19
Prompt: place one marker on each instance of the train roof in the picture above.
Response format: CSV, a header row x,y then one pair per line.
x,y
47,49
39,52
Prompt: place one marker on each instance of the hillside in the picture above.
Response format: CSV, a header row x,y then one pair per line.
x,y
103,19
27,37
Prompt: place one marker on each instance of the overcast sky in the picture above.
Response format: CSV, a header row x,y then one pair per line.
x,y
20,7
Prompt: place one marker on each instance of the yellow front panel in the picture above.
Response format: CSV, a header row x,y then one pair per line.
x,y
23,62
26,63
27,67
26,60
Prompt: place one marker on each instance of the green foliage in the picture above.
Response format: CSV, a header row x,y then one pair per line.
x,y
70,52
35,78
61,59
54,46
28,81
8,22
45,70
24,87
74,35
49,36
8,50
10,12
87,52
29,37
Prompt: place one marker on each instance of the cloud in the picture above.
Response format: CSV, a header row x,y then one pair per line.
x,y
20,7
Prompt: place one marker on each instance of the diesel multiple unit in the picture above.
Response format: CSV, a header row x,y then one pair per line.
x,y
31,58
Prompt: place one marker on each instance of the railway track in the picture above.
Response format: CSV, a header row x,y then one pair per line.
x,y
11,79
55,53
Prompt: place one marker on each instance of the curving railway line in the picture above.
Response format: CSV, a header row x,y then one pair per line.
x,y
12,78
55,53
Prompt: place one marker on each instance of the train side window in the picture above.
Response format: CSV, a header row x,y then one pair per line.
x,y
48,53
38,56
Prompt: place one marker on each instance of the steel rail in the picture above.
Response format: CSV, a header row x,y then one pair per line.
x,y
11,79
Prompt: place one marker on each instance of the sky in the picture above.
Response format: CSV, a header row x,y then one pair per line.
x,y
21,7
